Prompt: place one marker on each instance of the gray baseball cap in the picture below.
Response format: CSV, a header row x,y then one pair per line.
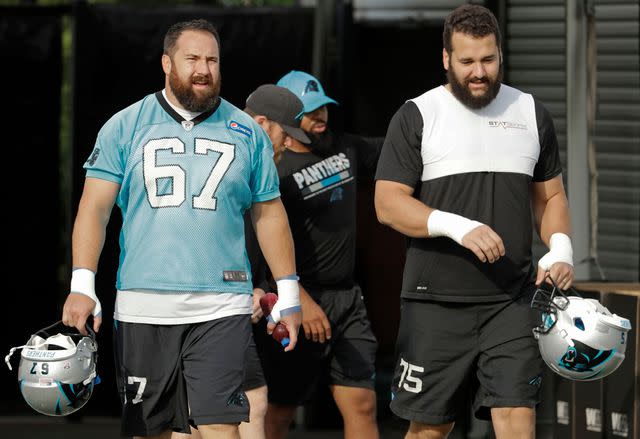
x,y
279,105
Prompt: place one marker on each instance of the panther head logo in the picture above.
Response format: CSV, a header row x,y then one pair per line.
x,y
311,86
582,358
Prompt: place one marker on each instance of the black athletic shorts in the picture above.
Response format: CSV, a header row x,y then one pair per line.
x,y
169,375
448,352
253,375
348,359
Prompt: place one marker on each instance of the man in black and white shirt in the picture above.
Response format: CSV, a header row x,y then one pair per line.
x,y
461,169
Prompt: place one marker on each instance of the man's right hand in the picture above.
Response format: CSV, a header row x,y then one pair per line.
x,y
314,321
484,243
77,308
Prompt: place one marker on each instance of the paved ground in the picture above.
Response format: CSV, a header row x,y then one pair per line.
x,y
36,427
42,427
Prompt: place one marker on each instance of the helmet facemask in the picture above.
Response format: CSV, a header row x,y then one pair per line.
x,y
549,302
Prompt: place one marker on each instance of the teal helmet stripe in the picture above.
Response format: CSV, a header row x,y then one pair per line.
x,y
62,391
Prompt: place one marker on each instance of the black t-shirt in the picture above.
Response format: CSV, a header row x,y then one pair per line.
x,y
259,267
319,195
479,164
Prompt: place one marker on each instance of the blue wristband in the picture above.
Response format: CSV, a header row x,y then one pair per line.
x,y
288,277
285,312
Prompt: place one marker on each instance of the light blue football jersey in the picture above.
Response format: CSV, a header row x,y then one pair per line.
x,y
184,187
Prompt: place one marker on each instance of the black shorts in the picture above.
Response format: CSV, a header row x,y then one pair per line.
x,y
449,352
348,359
253,375
169,375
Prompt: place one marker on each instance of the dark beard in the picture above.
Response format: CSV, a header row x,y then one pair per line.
x,y
463,94
191,101
322,144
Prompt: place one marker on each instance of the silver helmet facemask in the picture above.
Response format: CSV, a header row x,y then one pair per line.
x,y
579,338
57,370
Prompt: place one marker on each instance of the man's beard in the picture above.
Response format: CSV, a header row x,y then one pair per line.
x,y
461,89
188,98
322,143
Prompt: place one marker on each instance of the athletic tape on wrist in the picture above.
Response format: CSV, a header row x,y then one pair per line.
x,y
448,224
288,298
83,281
560,250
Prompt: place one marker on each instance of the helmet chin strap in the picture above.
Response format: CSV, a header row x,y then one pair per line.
x,y
44,331
90,377
11,352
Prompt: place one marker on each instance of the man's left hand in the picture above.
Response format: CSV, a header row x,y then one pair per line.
x,y
256,313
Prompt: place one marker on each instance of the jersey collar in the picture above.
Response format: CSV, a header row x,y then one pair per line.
x,y
174,114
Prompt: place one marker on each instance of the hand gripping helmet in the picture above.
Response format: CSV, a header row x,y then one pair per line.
x,y
57,372
579,339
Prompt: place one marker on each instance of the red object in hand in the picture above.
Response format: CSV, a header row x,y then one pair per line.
x,y
280,333
267,302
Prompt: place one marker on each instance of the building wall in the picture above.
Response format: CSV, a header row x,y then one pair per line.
x,y
535,54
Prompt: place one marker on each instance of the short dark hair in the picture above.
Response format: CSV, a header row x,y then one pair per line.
x,y
474,20
176,30
250,112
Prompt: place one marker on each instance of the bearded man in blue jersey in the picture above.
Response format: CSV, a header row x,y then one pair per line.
x,y
183,165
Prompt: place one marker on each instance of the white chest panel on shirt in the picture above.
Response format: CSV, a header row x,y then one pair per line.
x,y
501,137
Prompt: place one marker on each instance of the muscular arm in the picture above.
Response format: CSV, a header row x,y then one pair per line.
x,y
274,236
315,323
98,198
550,208
551,212
398,209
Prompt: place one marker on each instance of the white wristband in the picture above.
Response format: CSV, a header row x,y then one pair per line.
x,y
449,224
560,250
288,298
83,281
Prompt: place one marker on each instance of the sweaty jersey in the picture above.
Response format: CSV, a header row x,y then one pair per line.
x,y
184,187
319,195
479,164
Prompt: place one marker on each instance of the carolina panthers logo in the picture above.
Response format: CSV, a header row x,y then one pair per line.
x,y
93,157
582,358
311,86
336,194
238,399
536,381
73,395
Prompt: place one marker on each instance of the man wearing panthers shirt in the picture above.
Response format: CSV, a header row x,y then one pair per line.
x,y
462,169
318,187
